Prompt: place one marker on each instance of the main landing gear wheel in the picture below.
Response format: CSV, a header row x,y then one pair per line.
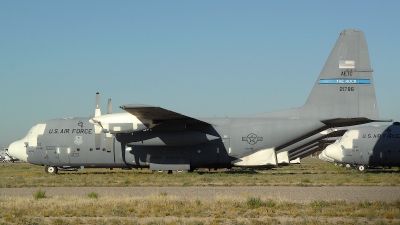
x,y
361,168
51,169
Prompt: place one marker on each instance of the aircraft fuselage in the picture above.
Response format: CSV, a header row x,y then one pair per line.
x,y
249,142
367,146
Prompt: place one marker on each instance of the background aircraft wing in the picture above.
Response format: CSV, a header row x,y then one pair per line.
x,y
158,115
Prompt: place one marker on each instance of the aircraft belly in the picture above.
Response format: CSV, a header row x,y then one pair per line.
x,y
163,163
212,154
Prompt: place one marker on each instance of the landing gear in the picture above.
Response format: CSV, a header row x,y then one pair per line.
x,y
361,168
51,169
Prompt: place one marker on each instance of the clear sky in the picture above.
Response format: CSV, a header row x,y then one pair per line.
x,y
199,58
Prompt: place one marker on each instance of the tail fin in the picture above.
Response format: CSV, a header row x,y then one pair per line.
x,y
345,88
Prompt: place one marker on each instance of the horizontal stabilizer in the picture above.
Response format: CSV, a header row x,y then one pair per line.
x,y
343,122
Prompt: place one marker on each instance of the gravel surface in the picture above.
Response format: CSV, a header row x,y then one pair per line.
x,y
295,194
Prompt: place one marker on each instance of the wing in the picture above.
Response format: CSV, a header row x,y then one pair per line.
x,y
159,115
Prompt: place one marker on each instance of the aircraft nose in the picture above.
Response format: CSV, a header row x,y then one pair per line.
x,y
322,156
334,151
17,150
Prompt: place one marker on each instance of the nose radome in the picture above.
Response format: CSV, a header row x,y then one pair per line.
x,y
333,151
322,156
17,150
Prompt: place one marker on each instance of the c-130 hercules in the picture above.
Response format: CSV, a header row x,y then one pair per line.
x,y
366,146
156,138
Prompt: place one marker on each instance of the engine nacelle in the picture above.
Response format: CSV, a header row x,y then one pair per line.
x,y
119,123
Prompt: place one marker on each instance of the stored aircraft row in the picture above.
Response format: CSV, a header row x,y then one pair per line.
x,y
152,137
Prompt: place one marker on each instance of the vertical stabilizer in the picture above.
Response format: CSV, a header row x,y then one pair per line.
x,y
345,88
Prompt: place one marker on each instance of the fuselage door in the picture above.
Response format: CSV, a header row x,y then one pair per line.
x,y
52,155
63,155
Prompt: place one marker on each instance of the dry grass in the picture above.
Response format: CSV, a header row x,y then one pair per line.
x,y
312,172
165,209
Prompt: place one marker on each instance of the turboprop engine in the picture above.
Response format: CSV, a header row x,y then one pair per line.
x,y
113,123
119,123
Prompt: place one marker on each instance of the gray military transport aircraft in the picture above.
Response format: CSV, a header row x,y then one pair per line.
x,y
366,146
156,138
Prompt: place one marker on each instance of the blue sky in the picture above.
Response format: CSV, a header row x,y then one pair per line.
x,y
199,58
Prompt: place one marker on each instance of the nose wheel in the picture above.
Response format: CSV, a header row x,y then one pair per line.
x,y
51,169
361,168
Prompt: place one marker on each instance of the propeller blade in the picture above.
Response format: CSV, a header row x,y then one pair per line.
x,y
109,106
97,111
97,129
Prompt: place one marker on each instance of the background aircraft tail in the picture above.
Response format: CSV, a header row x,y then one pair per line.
x,y
345,87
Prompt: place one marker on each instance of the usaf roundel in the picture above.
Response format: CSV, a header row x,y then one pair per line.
x,y
78,140
252,139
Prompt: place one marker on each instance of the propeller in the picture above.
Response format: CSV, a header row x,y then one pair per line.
x,y
109,138
97,129
109,107
100,128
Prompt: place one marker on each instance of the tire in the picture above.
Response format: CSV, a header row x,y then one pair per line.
x,y
361,168
51,169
